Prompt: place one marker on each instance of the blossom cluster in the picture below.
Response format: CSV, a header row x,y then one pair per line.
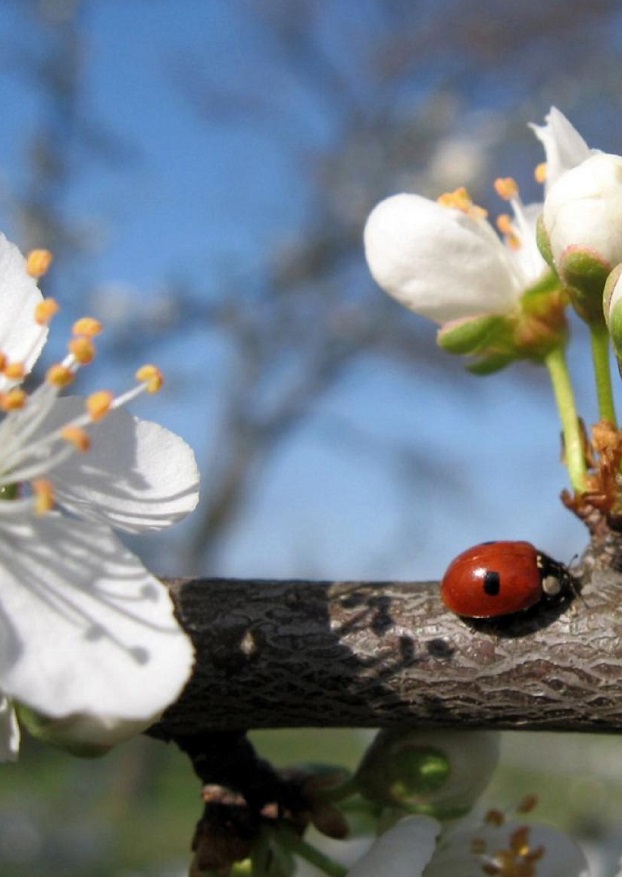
x,y
503,295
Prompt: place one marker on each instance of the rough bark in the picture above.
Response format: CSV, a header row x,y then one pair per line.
x,y
276,654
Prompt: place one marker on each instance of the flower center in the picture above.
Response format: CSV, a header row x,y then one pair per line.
x,y
517,858
30,452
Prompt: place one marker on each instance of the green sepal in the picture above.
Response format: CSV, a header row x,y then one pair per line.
x,y
488,365
585,273
466,336
544,243
613,312
57,733
547,284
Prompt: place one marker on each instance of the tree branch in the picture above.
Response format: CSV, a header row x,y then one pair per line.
x,y
274,654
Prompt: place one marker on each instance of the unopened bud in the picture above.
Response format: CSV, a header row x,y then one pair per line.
x,y
612,308
439,773
582,229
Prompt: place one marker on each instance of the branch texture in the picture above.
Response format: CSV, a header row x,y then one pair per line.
x,y
276,654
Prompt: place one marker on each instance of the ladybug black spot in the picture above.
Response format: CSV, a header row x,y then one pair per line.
x,y
492,583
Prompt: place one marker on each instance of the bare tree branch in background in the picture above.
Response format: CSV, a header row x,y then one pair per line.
x,y
316,312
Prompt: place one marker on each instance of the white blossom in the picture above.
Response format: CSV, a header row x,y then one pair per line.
x,y
416,847
446,262
88,636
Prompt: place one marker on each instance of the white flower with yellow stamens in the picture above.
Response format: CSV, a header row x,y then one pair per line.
x,y
88,637
415,846
443,259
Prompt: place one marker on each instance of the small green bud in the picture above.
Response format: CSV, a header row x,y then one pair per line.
x,y
440,773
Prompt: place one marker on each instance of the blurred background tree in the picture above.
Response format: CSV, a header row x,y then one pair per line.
x,y
203,172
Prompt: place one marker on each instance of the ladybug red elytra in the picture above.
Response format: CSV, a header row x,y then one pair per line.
x,y
501,578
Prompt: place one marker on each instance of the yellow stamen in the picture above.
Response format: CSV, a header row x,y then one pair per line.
x,y
506,188
529,803
59,375
14,371
13,400
506,227
44,495
38,262
504,224
460,199
151,376
45,310
83,349
88,326
519,841
540,173
98,404
79,438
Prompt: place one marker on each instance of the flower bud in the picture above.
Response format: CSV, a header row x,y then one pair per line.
x,y
612,307
582,228
440,773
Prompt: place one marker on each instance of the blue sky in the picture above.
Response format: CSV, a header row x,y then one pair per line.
x,y
205,194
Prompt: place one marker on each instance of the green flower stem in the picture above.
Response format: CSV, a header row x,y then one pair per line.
x,y
602,371
345,790
312,855
556,363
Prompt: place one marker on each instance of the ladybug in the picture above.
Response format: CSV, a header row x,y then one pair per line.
x,y
501,578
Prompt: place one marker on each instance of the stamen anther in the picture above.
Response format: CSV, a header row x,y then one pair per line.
x,y
38,262
540,173
151,376
506,188
45,310
82,349
14,371
98,404
59,375
43,492
13,400
88,326
78,437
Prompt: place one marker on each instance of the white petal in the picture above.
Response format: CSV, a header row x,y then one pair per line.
x,y
563,145
402,851
584,208
21,339
9,731
86,632
136,476
437,261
